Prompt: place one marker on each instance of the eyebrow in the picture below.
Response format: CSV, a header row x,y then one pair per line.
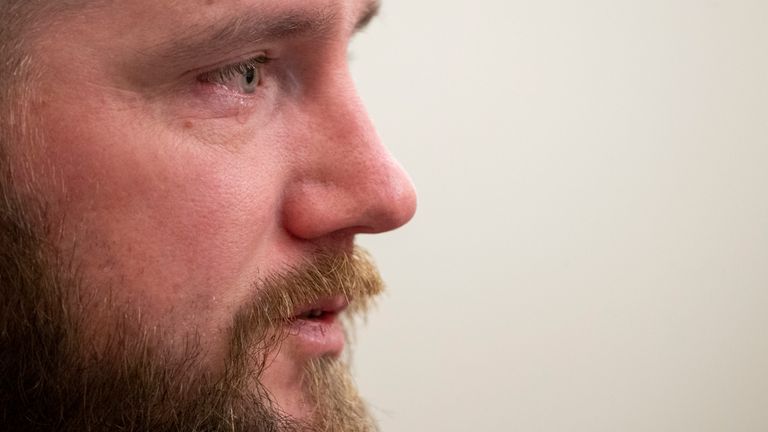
x,y
256,27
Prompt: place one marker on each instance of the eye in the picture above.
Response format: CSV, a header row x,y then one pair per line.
x,y
242,77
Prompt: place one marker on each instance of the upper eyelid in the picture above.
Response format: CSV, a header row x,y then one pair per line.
x,y
230,69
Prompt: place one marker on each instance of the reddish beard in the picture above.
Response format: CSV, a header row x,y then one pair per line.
x,y
52,379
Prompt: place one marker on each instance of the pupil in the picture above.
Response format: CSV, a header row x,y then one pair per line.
x,y
250,75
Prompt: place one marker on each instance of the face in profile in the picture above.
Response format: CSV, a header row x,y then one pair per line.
x,y
180,207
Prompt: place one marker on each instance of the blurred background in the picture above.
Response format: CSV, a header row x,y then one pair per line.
x,y
590,251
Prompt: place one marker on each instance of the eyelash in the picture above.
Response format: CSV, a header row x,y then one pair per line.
x,y
226,73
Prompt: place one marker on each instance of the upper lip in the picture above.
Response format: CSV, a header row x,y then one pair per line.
x,y
326,305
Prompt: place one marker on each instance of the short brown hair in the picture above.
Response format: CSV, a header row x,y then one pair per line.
x,y
15,19
21,21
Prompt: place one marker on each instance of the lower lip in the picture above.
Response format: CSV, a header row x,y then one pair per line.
x,y
318,337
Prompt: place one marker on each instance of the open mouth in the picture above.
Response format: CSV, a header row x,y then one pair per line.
x,y
317,315
316,328
324,310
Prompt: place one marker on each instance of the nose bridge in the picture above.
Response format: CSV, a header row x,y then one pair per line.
x,y
347,180
349,150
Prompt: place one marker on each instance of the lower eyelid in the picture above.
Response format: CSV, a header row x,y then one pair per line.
x,y
212,101
207,99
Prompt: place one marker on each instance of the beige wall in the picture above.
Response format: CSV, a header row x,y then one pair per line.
x,y
591,248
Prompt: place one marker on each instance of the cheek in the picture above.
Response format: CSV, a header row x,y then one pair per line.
x,y
177,228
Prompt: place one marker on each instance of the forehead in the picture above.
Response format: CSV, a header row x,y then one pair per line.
x,y
200,11
172,33
142,23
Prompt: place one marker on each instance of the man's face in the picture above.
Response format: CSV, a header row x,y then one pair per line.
x,y
195,158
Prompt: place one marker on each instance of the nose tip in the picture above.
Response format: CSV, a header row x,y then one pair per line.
x,y
393,203
373,197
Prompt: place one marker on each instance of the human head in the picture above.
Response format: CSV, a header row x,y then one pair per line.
x,y
183,184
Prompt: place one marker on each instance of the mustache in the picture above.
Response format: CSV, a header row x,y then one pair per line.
x,y
263,323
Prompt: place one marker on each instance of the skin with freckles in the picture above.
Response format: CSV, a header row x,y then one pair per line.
x,y
189,149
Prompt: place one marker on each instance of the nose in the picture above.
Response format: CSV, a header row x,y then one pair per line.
x,y
345,181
